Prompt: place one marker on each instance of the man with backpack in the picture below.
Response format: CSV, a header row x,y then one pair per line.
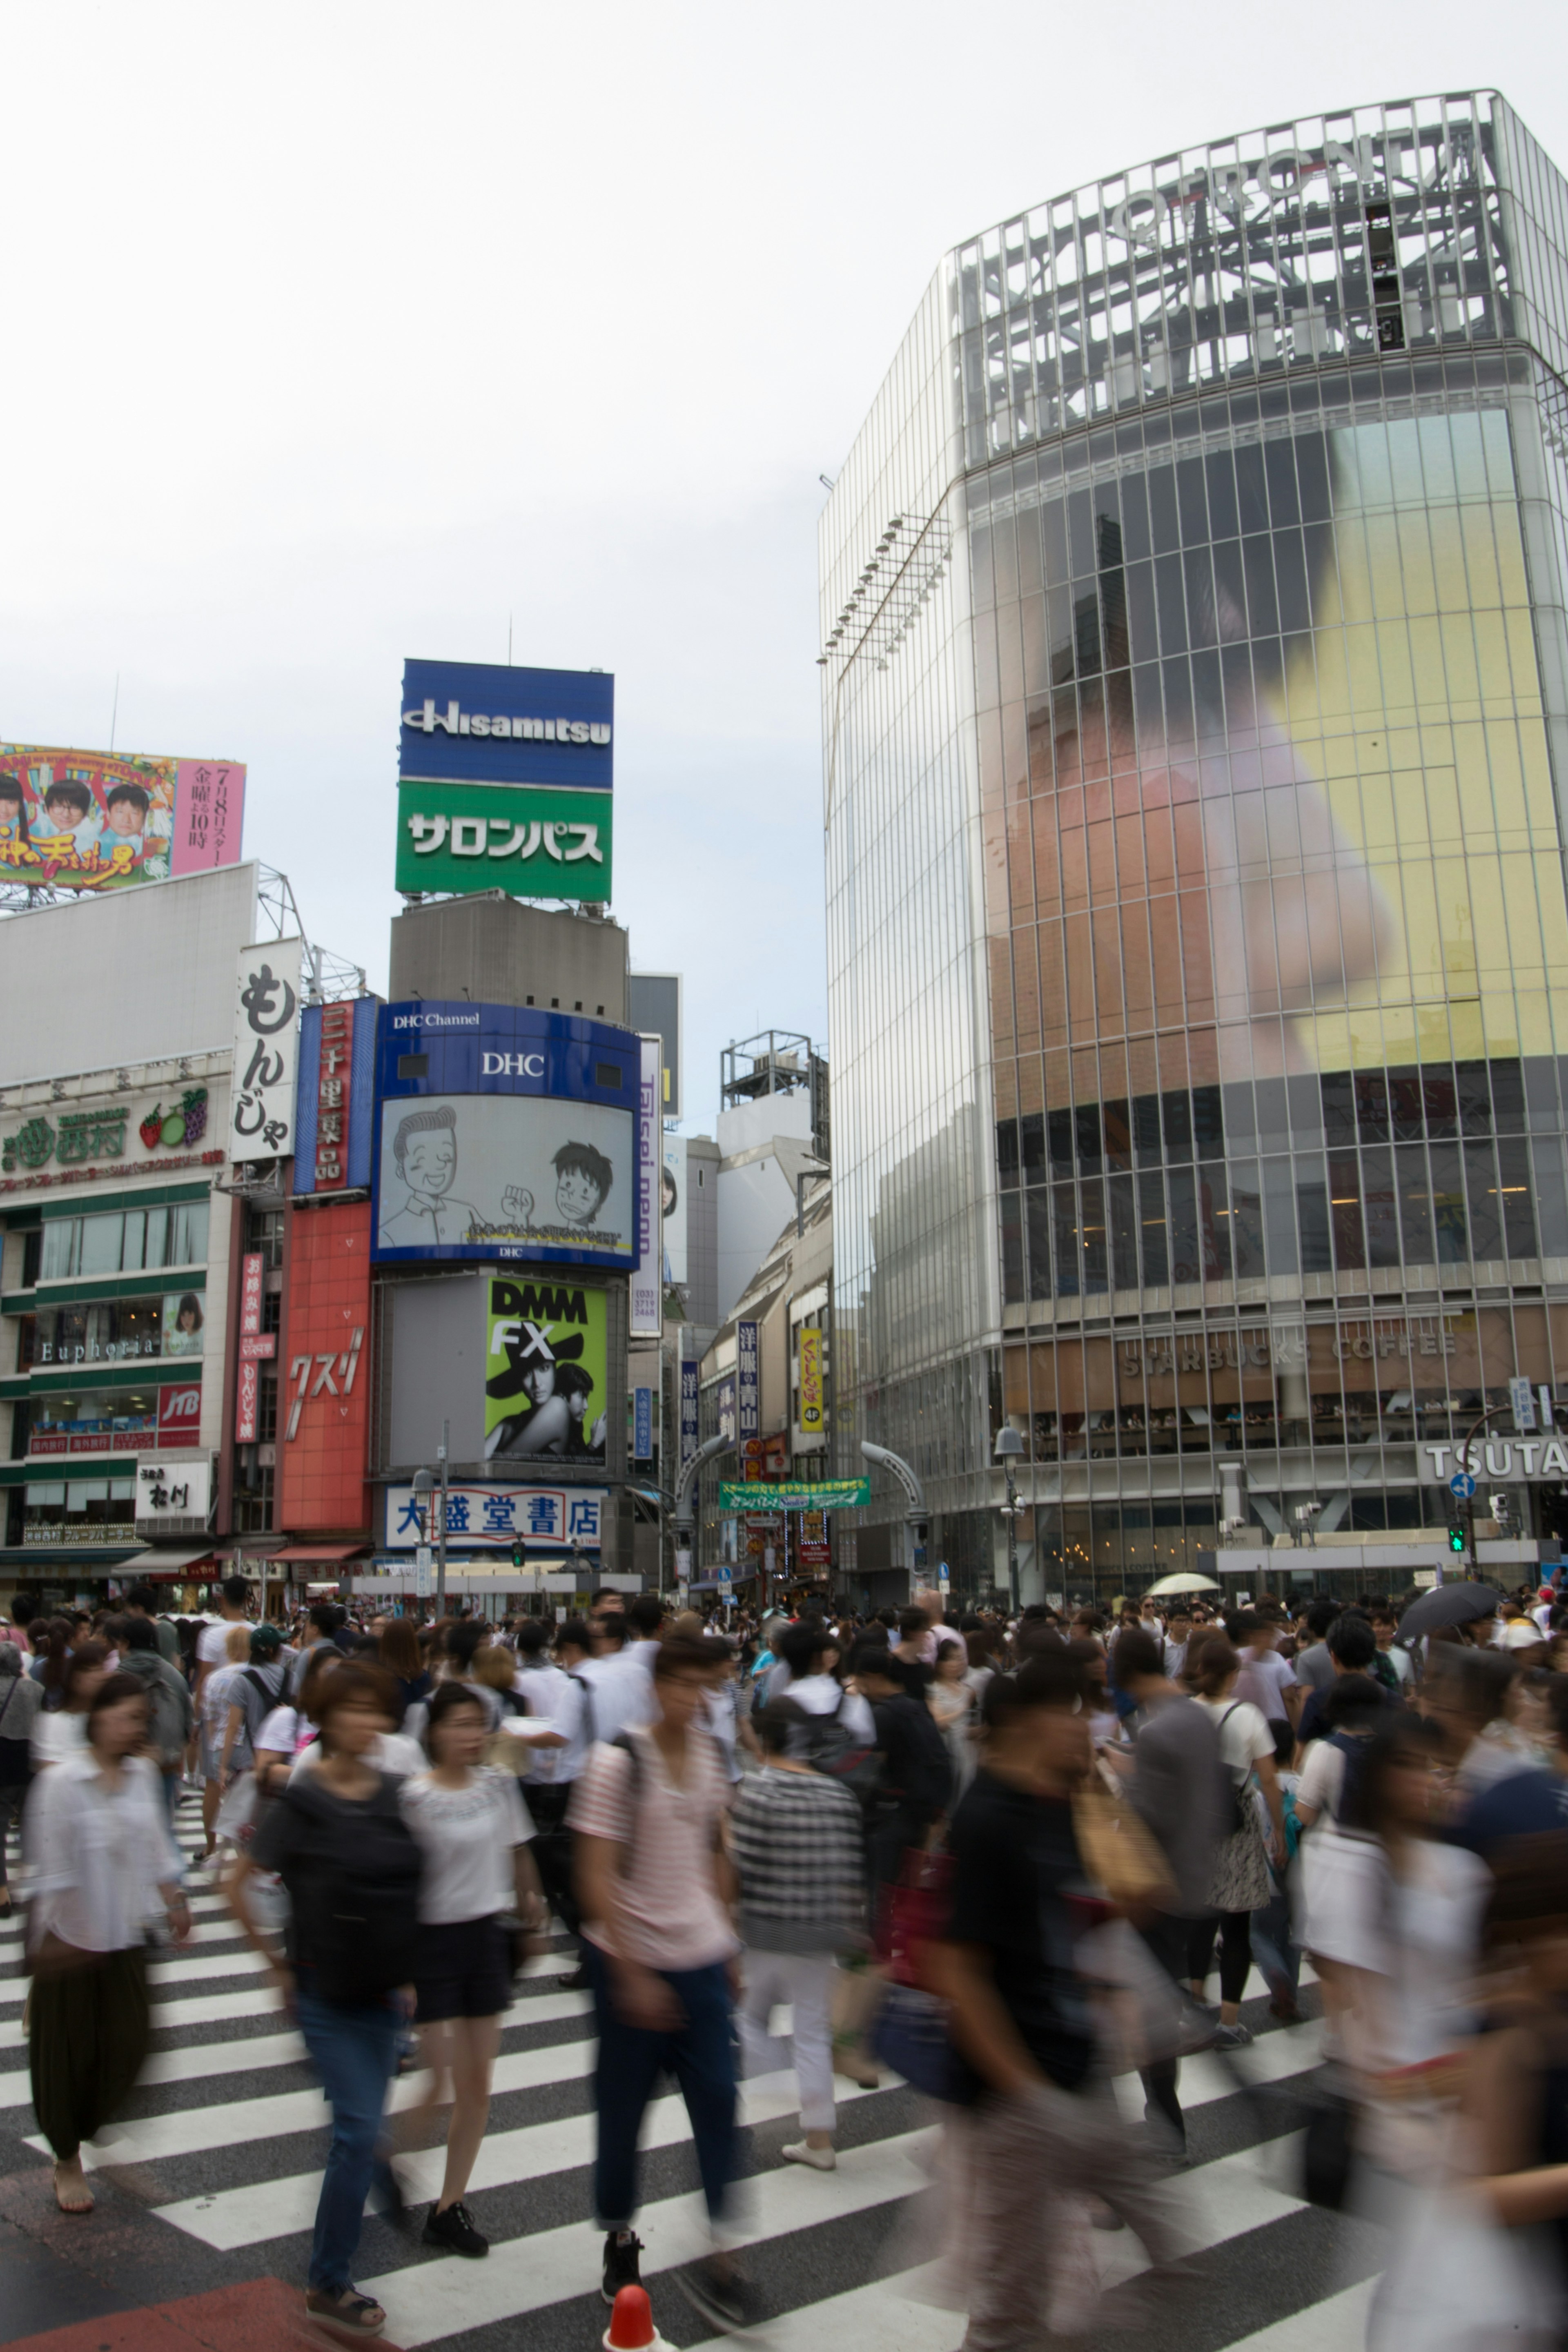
x,y
655,1885
170,1713
810,1653
915,1787
799,1861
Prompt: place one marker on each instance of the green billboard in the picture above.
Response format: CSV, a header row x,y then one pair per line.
x,y
536,841
794,1493
546,1367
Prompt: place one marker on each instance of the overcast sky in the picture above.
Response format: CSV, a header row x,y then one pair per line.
x,y
341,333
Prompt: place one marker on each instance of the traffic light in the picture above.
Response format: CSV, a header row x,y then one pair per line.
x,y
517,1551
1456,1539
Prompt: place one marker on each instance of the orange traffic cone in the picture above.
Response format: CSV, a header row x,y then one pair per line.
x,y
631,2327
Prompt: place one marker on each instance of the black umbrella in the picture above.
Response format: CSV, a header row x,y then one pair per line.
x,y
1448,1604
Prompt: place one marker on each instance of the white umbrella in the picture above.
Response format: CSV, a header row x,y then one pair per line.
x,y
1184,1581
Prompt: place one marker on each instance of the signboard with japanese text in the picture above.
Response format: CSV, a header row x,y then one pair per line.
x,y
333,1098
247,1378
647,1294
690,1395
505,1133
101,820
266,1051
546,1385
814,1550
642,1425
810,1380
180,1414
172,1490
726,1404
500,1515
324,1389
799,1494
747,1396
504,780
98,1135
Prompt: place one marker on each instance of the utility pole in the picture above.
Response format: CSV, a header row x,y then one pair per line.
x,y
1009,1449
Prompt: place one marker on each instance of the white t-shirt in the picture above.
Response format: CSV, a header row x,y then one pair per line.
x,y
57,1736
283,1731
1322,1778
1399,1661
216,1696
212,1641
622,1693
466,1837
1422,1932
1243,1736
822,1694
1277,1675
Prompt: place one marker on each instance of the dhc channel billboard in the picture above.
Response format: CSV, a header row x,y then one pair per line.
x,y
504,1133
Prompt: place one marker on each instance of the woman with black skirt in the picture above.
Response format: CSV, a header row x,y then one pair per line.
x,y
472,1829
104,1868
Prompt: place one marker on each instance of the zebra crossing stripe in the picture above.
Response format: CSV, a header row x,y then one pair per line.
x,y
232,2218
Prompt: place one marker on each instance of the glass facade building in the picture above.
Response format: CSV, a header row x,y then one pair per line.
x,y
1196,732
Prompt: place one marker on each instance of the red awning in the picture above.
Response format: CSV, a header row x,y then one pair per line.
x,y
309,1553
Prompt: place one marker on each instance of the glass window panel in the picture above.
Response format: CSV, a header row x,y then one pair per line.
x,y
1123,1205
1177,1113
1059,1136
1064,1240
1551,1198
1118,1136
1008,1151
1405,1108
1246,1204
1508,1097
1514,1179
1252,495
1279,1216
1146,1131
1096,1262
61,1254
1313,1215
1086,1120
1031,1137
1380,1208
1186,1251
1223,512
1037,1228
1485,1207
102,1241
1213,1220
1449,1205
1371,1107
1339,1107
1152,1224
1012,1248
1165,535
1273,1125
1474,1098
1344,1204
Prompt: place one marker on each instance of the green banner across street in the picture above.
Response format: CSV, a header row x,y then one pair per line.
x,y
794,1493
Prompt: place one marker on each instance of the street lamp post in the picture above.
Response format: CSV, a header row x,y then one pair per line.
x,y
424,1487
441,1531
1463,1457
1009,1448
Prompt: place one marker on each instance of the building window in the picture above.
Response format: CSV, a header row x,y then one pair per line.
x,y
125,1241
264,1233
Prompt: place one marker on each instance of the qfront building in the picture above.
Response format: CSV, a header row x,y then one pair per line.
x,y
1195,722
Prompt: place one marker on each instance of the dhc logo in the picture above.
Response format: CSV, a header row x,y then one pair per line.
x,y
456,720
512,1065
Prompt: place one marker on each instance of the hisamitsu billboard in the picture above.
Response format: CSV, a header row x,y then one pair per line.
x,y
488,723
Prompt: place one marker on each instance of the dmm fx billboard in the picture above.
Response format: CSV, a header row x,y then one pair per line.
x,y
505,1133
504,780
101,820
546,1376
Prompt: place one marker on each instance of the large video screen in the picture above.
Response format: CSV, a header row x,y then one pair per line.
x,y
506,1176
546,1375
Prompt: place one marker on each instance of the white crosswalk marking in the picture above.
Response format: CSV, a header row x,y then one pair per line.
x,y
216,2099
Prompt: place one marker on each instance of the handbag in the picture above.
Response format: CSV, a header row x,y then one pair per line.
x,y
1118,1852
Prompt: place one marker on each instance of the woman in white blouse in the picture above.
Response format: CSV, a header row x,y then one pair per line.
x,y
472,1829
103,1866
62,1732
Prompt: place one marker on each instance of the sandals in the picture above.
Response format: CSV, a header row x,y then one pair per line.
x,y
352,2311
83,2200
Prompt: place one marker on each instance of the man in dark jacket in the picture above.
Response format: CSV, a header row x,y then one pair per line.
x,y
917,1775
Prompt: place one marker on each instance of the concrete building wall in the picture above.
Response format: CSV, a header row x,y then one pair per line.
x,y
498,950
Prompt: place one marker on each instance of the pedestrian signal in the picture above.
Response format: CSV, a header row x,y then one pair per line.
x,y
517,1552
1456,1539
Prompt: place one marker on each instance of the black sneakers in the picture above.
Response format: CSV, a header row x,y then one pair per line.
x,y
454,2231
622,2248
721,2292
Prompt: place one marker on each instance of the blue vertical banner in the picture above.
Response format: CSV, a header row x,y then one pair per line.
x,y
747,1399
642,1424
690,1375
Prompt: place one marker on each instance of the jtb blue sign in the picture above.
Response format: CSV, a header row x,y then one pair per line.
x,y
505,1133
486,723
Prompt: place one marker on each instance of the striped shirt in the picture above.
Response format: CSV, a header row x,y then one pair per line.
x,y
799,1854
669,1904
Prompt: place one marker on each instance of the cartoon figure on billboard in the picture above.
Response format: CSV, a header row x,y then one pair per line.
x,y
539,1404
425,1149
582,1179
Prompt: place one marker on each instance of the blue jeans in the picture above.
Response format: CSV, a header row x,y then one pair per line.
x,y
700,2053
354,2051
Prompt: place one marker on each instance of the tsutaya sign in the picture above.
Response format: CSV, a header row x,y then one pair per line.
x,y
1502,1458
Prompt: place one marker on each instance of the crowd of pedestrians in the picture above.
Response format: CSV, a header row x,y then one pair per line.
x,y
1002,1860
